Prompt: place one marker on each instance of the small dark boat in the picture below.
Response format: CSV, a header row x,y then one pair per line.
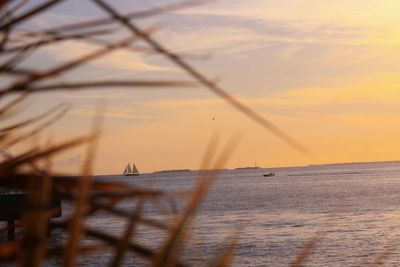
x,y
270,174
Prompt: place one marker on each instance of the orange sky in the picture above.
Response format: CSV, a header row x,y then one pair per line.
x,y
325,72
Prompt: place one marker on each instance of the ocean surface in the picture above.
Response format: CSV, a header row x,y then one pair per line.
x,y
353,208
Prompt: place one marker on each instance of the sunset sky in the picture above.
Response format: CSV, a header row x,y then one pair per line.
x,y
327,73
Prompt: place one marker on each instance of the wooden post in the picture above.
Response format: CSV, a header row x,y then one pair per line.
x,y
11,230
48,228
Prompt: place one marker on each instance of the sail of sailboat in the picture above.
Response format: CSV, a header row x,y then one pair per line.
x,y
131,171
127,169
134,169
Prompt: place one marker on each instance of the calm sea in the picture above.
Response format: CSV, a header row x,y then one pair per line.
x,y
356,206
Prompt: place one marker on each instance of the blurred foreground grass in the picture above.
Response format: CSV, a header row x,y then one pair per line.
x,y
30,170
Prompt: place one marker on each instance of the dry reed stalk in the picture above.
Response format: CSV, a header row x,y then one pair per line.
x,y
385,254
77,228
53,39
9,250
15,162
24,84
32,120
34,243
30,13
8,108
7,14
60,112
307,250
225,257
125,214
129,232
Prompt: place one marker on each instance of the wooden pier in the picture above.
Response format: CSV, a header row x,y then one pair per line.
x,y
12,207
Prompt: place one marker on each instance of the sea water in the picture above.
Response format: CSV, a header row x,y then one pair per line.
x,y
353,209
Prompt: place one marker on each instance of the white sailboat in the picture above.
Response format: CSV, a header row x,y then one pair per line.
x,y
131,171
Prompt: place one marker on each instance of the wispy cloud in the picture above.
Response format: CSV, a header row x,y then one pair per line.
x,y
352,22
354,12
137,113
103,95
220,39
119,59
